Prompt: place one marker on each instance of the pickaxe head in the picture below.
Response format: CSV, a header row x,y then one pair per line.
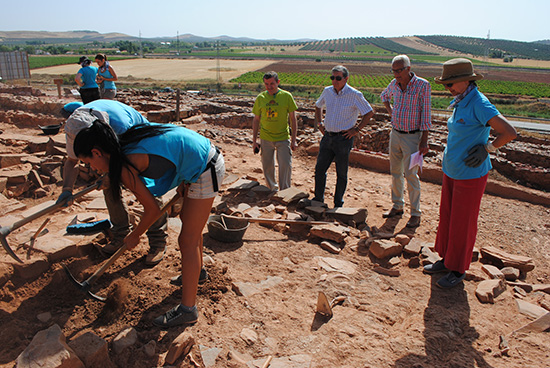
x,y
83,286
4,231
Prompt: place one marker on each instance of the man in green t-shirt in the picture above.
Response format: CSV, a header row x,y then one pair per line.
x,y
272,111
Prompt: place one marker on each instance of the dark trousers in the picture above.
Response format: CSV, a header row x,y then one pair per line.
x,y
89,94
332,148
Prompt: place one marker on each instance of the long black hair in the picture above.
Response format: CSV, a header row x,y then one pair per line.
x,y
101,136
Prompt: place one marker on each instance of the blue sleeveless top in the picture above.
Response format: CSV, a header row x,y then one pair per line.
x,y
186,149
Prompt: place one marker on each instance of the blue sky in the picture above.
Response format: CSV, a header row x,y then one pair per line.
x,y
285,19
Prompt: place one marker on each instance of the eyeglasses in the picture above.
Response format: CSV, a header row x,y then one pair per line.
x,y
449,85
397,71
337,77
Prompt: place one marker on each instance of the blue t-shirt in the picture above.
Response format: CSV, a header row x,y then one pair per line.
x,y
467,128
107,74
88,76
186,149
121,117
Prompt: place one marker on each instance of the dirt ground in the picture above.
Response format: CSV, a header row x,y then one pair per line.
x,y
171,69
385,321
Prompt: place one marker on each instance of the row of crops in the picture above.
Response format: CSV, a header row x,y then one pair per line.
x,y
538,90
483,47
375,45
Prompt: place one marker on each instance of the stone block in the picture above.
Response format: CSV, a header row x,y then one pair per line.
x,y
91,349
403,239
181,345
510,273
386,271
347,215
383,248
413,247
332,232
48,348
492,272
330,247
11,159
289,195
488,290
124,339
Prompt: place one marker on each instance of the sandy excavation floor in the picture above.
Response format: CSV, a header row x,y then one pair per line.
x,y
385,321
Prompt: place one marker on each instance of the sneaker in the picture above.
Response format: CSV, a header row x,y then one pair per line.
x,y
436,267
203,277
392,213
176,316
450,280
414,221
155,255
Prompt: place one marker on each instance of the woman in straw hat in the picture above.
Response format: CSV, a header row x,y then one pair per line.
x,y
466,165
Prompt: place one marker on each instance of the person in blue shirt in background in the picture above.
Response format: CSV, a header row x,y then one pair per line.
x,y
86,80
106,78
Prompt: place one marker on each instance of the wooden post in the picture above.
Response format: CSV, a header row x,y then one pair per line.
x,y
58,83
177,104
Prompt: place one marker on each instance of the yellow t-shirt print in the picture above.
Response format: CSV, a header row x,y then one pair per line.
x,y
271,114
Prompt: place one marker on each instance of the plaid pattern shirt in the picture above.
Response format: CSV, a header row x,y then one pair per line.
x,y
412,108
342,109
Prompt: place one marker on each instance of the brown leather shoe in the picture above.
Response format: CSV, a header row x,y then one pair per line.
x,y
392,213
414,221
155,255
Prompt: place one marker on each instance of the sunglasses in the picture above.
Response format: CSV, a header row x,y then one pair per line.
x,y
449,85
396,71
338,78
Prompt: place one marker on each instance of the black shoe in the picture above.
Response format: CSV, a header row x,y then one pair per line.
x,y
176,317
450,280
392,213
203,277
436,267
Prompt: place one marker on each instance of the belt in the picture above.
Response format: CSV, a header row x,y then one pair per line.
x,y
212,166
335,133
409,132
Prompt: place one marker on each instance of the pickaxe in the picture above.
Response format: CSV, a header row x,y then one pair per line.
x,y
6,230
85,285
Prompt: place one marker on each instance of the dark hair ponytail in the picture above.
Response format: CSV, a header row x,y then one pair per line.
x,y
101,136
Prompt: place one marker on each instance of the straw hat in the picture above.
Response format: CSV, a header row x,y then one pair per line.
x,y
458,70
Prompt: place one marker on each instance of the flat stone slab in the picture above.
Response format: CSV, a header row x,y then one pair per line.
x,y
248,288
346,215
243,184
336,265
332,232
530,310
293,361
289,195
501,259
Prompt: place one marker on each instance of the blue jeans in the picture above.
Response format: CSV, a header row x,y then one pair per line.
x,y
332,148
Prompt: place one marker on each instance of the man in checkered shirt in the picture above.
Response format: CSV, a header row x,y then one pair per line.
x,y
411,121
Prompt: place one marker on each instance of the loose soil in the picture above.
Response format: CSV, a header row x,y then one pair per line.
x,y
403,321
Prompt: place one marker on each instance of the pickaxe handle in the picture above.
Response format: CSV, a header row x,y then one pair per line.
x,y
6,230
85,286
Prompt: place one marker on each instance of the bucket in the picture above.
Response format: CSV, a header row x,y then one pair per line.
x,y
50,129
227,230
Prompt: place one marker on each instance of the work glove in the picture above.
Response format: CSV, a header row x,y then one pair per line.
x,y
476,156
65,197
